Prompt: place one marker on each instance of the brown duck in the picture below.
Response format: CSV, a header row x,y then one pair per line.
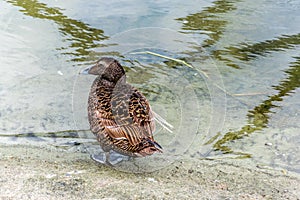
x,y
119,115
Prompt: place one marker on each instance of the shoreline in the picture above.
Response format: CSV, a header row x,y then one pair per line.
x,y
29,172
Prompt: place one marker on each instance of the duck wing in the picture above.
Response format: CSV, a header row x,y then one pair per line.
x,y
130,118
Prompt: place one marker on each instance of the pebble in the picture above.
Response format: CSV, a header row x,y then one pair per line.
x,y
60,72
50,175
268,144
152,180
75,172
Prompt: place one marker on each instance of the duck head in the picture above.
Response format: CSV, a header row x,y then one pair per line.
x,y
108,68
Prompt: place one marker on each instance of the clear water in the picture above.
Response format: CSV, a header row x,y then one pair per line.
x,y
240,98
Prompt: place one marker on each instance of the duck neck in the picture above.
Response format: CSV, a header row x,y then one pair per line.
x,y
102,81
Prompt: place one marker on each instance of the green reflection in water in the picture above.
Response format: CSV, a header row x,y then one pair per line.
x,y
246,52
82,37
209,21
258,118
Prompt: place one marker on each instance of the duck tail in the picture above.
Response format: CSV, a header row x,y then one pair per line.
x,y
156,145
163,122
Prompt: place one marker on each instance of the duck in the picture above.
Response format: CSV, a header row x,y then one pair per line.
x,y
119,115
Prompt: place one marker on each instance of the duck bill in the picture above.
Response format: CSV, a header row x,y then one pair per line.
x,y
89,70
85,71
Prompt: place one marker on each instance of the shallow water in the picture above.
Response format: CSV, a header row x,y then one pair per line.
x,y
240,99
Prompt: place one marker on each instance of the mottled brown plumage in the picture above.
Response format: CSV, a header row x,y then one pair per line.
x,y
119,115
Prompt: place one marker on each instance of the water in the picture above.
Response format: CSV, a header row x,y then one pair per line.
x,y
240,99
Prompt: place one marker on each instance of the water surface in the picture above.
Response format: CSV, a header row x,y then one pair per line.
x,y
240,99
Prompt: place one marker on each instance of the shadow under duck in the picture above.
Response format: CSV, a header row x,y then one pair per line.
x,y
119,115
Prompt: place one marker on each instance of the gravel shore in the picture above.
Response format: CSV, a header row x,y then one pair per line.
x,y
28,172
